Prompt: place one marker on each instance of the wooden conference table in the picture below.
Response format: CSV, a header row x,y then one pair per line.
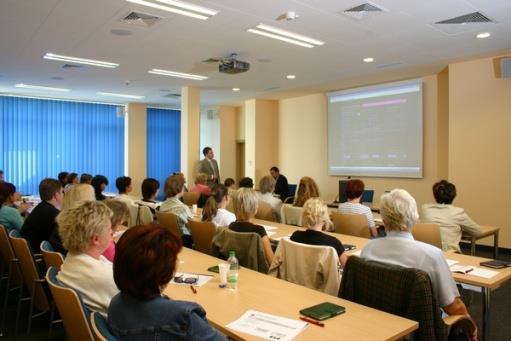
x,y
274,296
486,284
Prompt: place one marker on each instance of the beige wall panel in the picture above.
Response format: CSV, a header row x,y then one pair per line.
x,y
228,130
136,146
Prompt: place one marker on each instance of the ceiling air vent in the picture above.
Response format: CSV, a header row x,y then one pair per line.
x,y
470,18
364,11
140,19
71,66
172,95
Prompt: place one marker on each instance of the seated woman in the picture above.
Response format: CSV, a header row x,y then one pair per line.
x,y
99,182
354,191
215,208
317,219
245,207
452,220
86,231
306,189
121,214
266,188
230,184
399,213
150,190
144,264
174,189
10,217
201,186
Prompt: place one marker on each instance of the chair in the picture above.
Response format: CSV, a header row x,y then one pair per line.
x,y
247,246
264,211
291,191
74,313
190,198
139,214
100,327
13,272
51,257
202,235
405,292
169,221
31,278
351,224
291,215
312,266
428,233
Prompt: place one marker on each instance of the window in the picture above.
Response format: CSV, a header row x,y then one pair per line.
x,y
40,138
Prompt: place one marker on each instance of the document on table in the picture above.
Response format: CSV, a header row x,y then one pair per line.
x,y
269,228
267,326
279,238
270,233
483,272
451,262
201,279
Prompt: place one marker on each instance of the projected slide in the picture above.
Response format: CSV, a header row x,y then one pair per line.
x,y
376,131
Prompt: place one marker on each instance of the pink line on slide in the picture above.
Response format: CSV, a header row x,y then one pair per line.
x,y
378,104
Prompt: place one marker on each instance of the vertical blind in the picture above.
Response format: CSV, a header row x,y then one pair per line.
x,y
40,138
163,144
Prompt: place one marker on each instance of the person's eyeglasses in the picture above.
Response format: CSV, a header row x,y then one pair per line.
x,y
187,280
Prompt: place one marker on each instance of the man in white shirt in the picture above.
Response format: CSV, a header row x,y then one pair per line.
x,y
86,232
209,166
452,220
399,213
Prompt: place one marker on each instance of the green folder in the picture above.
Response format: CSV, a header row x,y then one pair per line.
x,y
323,311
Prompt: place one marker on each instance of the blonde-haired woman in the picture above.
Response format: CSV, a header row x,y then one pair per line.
x,y
245,208
201,186
306,189
78,193
86,231
120,215
266,188
316,219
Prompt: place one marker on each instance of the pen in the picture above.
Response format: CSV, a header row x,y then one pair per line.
x,y
320,324
193,289
469,270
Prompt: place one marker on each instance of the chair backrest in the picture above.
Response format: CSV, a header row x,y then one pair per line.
x,y
8,255
351,224
169,221
51,257
428,233
202,235
313,266
264,211
139,215
190,198
73,312
247,246
397,290
291,215
29,270
100,327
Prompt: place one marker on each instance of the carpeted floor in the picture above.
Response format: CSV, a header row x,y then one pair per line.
x,y
500,313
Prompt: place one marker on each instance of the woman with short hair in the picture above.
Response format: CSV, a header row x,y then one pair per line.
x,y
86,231
316,219
306,189
266,188
201,186
144,264
245,208
354,190
120,215
215,208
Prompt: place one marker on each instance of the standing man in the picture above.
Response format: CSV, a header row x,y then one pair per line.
x,y
281,186
209,166
40,224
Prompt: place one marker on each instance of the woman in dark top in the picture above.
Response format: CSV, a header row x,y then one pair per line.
x,y
245,208
316,219
144,263
99,182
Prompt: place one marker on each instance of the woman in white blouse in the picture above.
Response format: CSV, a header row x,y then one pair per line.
x,y
215,208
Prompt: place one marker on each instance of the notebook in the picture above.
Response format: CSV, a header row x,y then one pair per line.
x,y
323,311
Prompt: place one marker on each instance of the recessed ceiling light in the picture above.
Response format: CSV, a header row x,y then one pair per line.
x,y
483,35
69,59
119,95
120,32
290,76
40,87
368,60
288,37
235,89
177,74
178,7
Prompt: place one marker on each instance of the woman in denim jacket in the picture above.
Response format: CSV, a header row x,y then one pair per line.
x,y
144,263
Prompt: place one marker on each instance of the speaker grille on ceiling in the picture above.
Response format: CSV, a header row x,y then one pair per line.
x,y
475,17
